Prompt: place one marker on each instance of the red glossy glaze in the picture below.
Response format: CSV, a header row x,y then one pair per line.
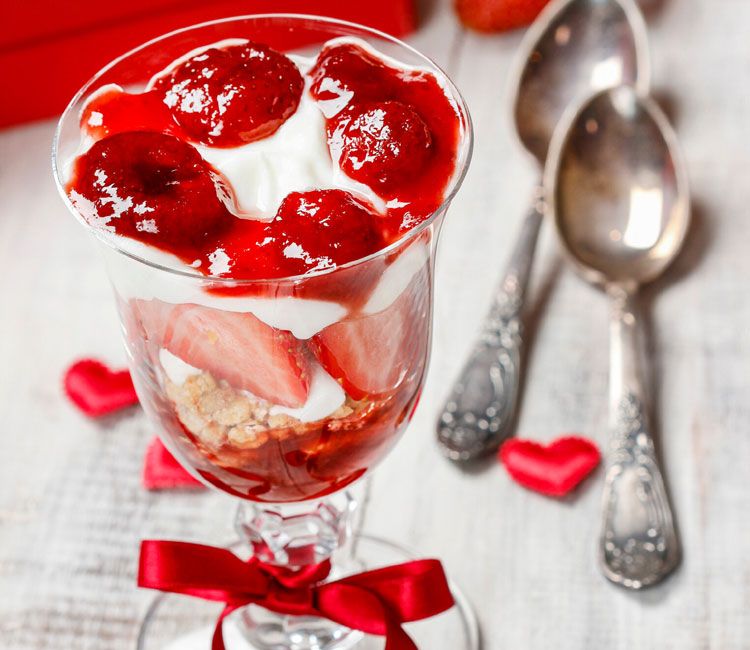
x,y
155,188
395,130
112,110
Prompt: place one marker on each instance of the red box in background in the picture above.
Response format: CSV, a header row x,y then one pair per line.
x,y
49,49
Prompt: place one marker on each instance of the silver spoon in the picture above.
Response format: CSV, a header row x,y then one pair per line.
x,y
619,195
574,48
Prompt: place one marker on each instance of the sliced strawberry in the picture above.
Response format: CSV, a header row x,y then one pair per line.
x,y
153,318
238,348
242,350
374,354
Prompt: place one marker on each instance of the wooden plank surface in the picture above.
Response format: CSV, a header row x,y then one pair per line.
x,y
71,506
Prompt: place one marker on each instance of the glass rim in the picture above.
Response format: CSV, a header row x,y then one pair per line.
x,y
465,149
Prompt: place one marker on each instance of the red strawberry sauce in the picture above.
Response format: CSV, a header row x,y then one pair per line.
x,y
395,130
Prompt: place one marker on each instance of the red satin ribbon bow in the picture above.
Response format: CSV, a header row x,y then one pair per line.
x,y
374,602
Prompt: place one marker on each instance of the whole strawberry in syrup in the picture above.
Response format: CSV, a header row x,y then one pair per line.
x,y
231,96
345,73
152,187
391,128
318,230
383,144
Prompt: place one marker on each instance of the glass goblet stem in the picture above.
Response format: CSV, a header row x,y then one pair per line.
x,y
293,536
296,535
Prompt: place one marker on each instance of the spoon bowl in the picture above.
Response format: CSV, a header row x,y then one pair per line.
x,y
575,48
619,194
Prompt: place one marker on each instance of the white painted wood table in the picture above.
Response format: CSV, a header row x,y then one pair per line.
x,y
71,506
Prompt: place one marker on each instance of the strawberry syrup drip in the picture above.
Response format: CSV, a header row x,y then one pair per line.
x,y
111,111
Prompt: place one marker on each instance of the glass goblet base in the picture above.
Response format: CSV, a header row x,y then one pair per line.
x,y
176,622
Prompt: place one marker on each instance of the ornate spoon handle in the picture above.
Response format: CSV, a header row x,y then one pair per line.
x,y
480,410
638,545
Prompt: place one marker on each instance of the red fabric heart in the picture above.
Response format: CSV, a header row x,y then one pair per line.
x,y
162,472
555,469
96,390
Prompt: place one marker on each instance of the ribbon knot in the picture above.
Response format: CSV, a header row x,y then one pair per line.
x,y
292,590
374,602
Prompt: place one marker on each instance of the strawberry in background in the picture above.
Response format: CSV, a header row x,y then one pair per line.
x,y
498,15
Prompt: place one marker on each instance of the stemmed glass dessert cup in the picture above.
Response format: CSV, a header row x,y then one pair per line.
x,y
222,415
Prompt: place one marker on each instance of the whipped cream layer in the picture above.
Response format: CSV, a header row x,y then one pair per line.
x,y
303,317
325,397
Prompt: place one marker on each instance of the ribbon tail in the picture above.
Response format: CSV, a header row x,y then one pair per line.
x,y
217,642
396,637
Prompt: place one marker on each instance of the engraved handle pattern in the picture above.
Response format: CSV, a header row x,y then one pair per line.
x,y
480,411
638,545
